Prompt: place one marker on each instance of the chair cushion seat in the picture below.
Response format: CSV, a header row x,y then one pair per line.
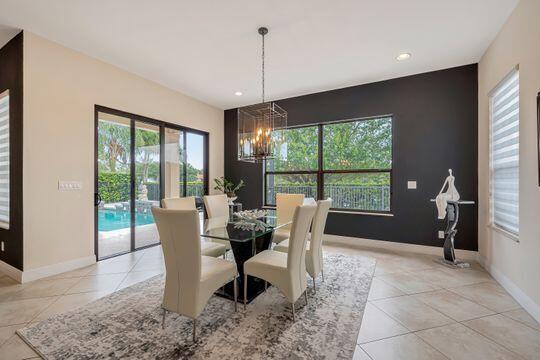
x,y
212,249
216,270
284,246
281,235
267,259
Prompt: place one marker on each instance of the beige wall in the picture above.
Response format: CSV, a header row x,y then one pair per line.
x,y
61,88
517,263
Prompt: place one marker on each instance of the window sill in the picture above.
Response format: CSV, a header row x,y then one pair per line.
x,y
346,212
506,233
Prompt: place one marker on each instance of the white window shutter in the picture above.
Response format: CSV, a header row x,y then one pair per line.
x,y
504,111
4,160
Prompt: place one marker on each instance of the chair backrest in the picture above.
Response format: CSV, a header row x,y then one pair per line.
x,y
216,205
317,232
183,203
286,205
181,245
296,259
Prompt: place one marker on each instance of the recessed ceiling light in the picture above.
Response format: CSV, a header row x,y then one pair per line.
x,y
404,56
238,93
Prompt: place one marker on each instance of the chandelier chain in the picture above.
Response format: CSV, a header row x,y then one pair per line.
x,y
263,68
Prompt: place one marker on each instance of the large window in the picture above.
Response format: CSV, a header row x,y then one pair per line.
x,y
350,162
4,159
504,154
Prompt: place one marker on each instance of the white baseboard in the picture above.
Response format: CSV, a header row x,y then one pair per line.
x,y
394,246
11,271
45,271
519,295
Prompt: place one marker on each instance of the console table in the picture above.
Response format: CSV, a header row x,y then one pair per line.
x,y
452,217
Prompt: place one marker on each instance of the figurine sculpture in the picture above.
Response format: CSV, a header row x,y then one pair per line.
x,y
451,194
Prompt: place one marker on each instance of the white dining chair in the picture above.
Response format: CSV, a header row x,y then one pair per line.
x,y
217,206
208,248
286,271
285,206
191,278
314,254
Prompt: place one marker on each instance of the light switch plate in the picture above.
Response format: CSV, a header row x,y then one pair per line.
x,y
2,246
69,185
411,185
441,234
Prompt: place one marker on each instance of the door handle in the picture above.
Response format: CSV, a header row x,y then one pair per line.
x,y
97,199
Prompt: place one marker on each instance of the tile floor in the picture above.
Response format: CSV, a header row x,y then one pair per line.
x,y
417,309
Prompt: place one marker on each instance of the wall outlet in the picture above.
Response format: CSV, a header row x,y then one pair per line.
x,y
69,185
411,185
441,234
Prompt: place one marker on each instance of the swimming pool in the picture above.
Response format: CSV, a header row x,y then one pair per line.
x,y
109,220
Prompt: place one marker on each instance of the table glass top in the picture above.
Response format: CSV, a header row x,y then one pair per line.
x,y
224,229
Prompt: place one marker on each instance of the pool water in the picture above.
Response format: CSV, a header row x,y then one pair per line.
x,y
109,220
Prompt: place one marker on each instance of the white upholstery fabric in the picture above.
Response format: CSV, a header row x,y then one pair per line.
x,y
314,258
213,249
285,206
183,203
286,271
188,203
217,206
191,278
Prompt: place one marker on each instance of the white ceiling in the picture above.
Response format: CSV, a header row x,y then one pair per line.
x,y
210,49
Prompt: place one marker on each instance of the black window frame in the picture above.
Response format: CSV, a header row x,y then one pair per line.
x,y
320,172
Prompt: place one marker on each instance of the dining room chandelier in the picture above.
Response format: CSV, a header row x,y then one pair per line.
x,y
260,126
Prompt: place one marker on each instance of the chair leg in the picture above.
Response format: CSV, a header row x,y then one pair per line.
x,y
163,319
305,295
314,287
322,274
265,285
194,330
245,291
235,295
292,307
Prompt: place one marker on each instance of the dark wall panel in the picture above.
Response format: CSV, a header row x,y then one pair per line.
x,y
435,128
11,77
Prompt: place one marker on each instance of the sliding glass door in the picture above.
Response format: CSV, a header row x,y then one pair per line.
x,y
140,161
113,185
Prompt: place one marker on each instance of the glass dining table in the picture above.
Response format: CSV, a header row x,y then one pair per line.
x,y
245,243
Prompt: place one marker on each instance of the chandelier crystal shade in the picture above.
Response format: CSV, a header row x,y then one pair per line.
x,y
260,126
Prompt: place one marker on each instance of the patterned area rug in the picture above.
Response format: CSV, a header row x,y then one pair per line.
x,y
127,324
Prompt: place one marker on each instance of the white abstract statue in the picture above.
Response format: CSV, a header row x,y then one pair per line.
x,y
451,194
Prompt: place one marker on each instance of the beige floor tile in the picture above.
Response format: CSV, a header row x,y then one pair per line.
x,y
149,264
458,342
523,317
105,283
442,278
6,332
15,348
408,283
469,276
385,267
22,311
453,305
359,354
488,294
509,333
378,325
112,267
136,277
382,290
44,288
412,313
8,287
68,303
402,347
77,273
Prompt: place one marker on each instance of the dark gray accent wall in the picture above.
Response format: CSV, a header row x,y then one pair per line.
x,y
435,128
11,77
